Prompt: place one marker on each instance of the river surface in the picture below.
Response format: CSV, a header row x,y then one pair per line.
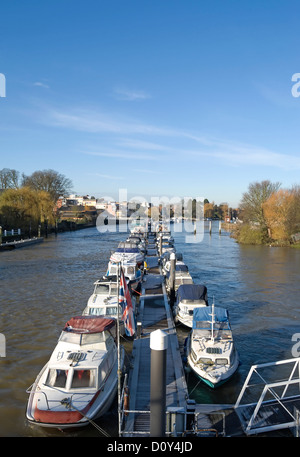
x,y
42,286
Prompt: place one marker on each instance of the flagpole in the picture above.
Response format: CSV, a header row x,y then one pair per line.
x,y
119,361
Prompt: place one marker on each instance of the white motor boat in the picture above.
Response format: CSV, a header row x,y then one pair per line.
x,y
189,297
104,301
79,382
132,272
129,252
211,352
182,276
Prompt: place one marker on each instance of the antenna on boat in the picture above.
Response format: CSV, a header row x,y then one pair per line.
x,y
212,319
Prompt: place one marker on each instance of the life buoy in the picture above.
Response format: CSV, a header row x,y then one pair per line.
x,y
126,401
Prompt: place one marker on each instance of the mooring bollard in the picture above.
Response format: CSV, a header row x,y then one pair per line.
x,y
158,345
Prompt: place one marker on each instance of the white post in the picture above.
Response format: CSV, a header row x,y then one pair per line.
x,y
212,320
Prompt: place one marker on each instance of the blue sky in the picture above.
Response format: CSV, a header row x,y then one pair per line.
x,y
161,97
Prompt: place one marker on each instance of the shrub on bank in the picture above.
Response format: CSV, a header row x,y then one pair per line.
x,y
249,234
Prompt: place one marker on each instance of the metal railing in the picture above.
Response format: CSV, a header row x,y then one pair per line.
x,y
269,388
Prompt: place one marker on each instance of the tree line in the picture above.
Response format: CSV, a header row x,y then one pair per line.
x,y
269,214
28,202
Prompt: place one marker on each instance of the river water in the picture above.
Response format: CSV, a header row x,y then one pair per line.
x,y
44,285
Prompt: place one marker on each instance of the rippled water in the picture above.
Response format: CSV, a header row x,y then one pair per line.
x,y
44,285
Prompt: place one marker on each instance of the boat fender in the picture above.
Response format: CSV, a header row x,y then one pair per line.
x,y
126,400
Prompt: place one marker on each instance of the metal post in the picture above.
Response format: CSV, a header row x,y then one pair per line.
x,y
210,227
172,278
119,357
0,234
158,345
160,244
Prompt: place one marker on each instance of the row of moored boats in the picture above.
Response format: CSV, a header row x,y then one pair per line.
x,y
210,348
80,381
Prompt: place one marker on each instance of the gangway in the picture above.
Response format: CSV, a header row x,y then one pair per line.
x,y
274,404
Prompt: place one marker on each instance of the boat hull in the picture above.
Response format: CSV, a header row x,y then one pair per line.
x,y
226,376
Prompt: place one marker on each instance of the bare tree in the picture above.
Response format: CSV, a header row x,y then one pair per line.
x,y
9,178
50,181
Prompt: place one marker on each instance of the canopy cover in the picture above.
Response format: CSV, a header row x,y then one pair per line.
x,y
192,292
205,315
88,324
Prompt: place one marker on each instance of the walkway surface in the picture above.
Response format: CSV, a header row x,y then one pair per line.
x,y
154,313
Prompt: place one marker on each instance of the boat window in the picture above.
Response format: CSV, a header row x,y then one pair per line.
x,y
97,311
222,361
113,290
103,371
83,378
81,338
104,311
92,338
130,270
111,310
206,360
70,337
113,270
102,289
56,378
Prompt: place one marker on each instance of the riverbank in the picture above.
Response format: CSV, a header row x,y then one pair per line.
x,y
245,235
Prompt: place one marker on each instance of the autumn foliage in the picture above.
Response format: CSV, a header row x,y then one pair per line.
x,y
277,213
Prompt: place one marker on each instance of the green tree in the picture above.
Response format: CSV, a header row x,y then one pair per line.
x,y
254,229
25,208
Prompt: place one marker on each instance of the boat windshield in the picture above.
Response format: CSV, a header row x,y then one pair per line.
x,y
106,289
102,289
104,311
83,378
209,361
82,338
56,378
80,378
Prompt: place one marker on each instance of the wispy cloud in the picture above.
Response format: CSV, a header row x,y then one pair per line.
x,y
129,94
96,122
40,84
110,177
120,154
163,142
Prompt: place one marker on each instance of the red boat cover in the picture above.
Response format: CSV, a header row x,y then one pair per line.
x,y
88,324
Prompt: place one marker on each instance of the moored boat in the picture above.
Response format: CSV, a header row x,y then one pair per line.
x,y
189,297
129,252
211,351
104,301
132,272
80,380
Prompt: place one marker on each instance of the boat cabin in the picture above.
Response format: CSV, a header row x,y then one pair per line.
x,y
83,356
